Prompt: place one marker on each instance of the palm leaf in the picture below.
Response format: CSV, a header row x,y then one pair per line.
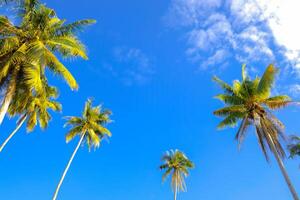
x,y
266,82
226,87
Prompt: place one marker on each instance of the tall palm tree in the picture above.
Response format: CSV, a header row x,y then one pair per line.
x,y
34,44
176,165
33,108
90,127
250,102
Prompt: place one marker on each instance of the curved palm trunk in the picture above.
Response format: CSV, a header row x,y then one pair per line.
x,y
282,168
20,123
67,168
7,99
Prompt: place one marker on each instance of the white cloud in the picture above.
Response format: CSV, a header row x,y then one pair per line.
x,y
132,66
294,90
247,30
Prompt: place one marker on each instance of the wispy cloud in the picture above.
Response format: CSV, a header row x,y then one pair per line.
x,y
294,90
250,31
131,65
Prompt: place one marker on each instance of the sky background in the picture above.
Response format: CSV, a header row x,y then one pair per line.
x,y
151,63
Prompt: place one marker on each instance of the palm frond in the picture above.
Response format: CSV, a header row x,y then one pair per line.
x,y
278,102
77,130
75,26
266,82
231,120
230,99
230,110
226,87
58,68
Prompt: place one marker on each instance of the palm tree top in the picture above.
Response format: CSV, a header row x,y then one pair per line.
x,y
91,124
253,96
250,101
37,38
176,163
35,105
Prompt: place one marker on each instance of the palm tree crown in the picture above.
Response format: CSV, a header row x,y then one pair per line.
x,y
91,125
30,47
177,165
35,106
250,101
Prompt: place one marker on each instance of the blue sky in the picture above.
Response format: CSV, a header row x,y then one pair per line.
x,y
151,63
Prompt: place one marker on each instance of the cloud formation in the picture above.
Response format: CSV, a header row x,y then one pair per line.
x,y
132,66
249,31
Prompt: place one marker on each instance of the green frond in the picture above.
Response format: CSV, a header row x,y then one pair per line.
x,y
230,110
75,26
44,118
32,121
231,120
67,46
226,87
55,106
77,130
32,78
230,99
8,44
35,52
94,138
237,87
4,71
6,27
278,102
167,173
266,82
73,121
58,68
294,146
244,72
100,129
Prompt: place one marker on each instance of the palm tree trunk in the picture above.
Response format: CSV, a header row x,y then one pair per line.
x,y
7,99
19,124
175,193
282,168
67,168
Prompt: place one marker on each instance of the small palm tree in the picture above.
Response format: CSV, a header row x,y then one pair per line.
x,y
176,165
250,101
31,46
33,108
90,128
294,147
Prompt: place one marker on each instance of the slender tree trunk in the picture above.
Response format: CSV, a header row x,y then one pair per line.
x,y
175,193
19,124
67,168
282,168
11,88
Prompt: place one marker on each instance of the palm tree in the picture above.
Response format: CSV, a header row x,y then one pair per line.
x,y
294,147
90,128
176,165
33,108
33,44
250,102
